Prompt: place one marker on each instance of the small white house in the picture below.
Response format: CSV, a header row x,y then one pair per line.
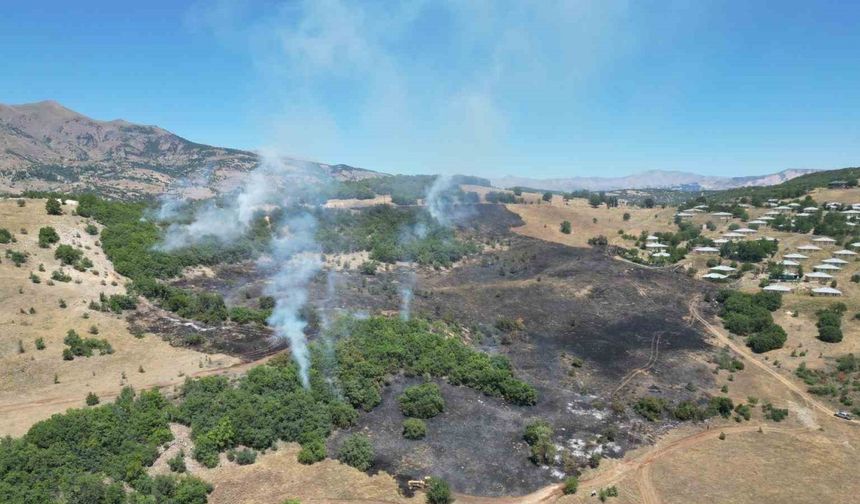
x,y
826,291
809,248
722,268
835,260
819,276
796,257
826,267
845,252
714,276
824,240
706,250
777,288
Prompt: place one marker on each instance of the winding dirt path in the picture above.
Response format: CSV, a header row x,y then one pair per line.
x,y
742,350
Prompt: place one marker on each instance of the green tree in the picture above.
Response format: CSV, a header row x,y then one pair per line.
x,y
48,236
53,207
438,492
422,401
547,196
357,451
565,227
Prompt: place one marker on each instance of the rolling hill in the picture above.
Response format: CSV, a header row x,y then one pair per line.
x,y
47,147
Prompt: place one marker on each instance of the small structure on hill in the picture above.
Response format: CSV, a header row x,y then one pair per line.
x,y
706,250
826,291
818,276
714,277
777,288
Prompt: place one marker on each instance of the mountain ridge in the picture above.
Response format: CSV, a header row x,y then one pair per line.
x,y
46,146
651,179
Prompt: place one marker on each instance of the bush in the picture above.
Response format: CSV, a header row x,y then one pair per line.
x,y
650,407
538,435
177,463
91,229
40,343
312,451
422,401
92,399
571,485
830,334
438,492
245,456
48,236
565,227
369,267
414,428
60,276
5,236
68,255
357,451
53,207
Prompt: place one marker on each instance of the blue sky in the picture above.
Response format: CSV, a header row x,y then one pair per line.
x,y
490,87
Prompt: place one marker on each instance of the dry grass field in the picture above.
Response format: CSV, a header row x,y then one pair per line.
x,y
543,220
38,383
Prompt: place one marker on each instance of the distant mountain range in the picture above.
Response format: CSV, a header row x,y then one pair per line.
x,y
652,179
46,146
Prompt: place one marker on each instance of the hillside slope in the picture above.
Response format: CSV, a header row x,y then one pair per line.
x,y
45,146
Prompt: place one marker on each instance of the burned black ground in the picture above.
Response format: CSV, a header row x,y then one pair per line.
x,y
575,323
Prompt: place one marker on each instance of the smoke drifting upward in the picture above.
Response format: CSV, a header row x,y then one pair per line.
x,y
407,291
294,260
293,257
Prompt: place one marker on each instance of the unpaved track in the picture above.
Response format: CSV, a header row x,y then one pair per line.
x,y
748,355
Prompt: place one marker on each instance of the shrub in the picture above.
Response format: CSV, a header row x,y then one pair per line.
x,y
40,343
357,451
177,462
92,399
245,456
438,492
571,485
369,267
312,451
18,258
565,227
830,334
53,207
48,236
60,276
91,229
414,428
650,407
5,236
538,435
422,401
68,255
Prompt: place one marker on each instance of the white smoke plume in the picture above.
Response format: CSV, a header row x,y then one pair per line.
x,y
226,221
407,291
293,257
294,260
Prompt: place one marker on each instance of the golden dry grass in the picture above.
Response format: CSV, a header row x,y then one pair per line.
x,y
543,220
27,389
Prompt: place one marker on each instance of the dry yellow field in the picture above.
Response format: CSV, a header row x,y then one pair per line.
x,y
28,391
543,221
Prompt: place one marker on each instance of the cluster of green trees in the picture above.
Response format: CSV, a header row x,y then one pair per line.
x,y
391,234
403,189
653,408
381,346
830,323
750,315
794,188
84,347
71,256
90,455
749,251
502,197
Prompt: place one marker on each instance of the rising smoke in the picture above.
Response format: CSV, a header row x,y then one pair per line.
x,y
293,257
